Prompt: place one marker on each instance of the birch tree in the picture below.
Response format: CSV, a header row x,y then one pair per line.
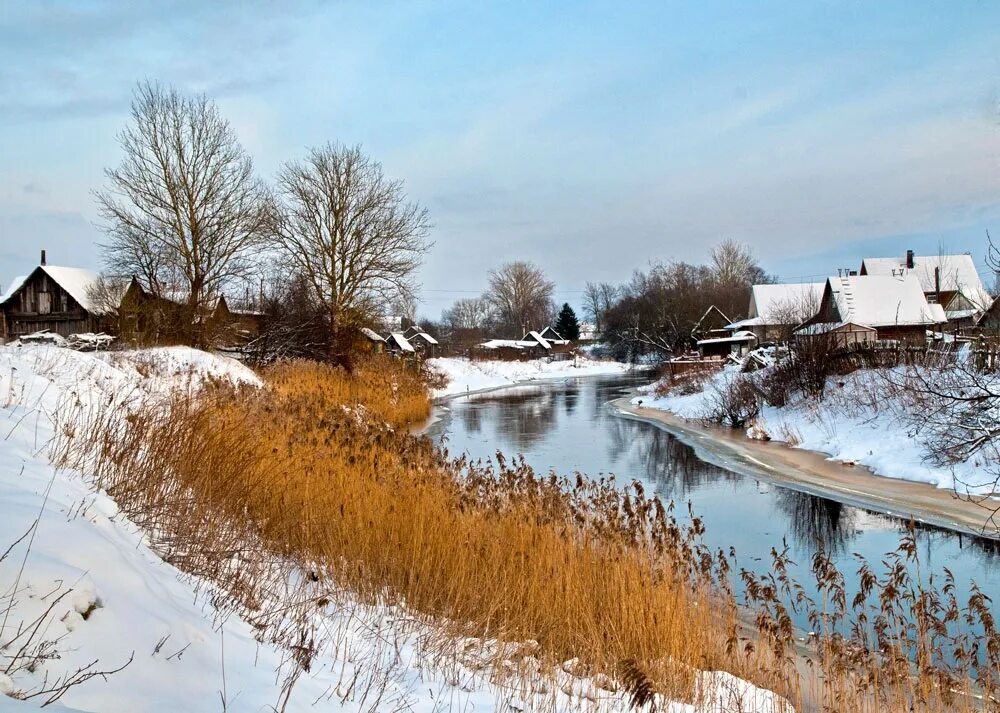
x,y
183,211
352,233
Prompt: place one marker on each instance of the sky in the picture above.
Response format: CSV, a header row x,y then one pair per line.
x,y
591,138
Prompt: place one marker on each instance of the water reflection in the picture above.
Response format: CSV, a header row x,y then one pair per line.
x,y
567,427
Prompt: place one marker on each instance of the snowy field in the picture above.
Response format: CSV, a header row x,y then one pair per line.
x,y
881,437
464,375
102,599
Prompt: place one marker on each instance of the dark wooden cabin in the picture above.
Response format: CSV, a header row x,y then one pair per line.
x,y
57,299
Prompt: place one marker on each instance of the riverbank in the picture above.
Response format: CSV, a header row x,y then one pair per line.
x,y
814,473
465,376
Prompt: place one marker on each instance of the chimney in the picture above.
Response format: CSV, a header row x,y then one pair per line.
x,y
937,282
909,259
43,258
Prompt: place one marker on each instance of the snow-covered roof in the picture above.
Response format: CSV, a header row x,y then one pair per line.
x,y
883,301
372,334
957,273
504,344
13,287
76,281
824,327
736,337
425,336
776,304
400,341
542,341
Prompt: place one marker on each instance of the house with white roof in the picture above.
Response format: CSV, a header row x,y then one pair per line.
x,y
61,300
776,310
421,340
397,343
865,308
951,281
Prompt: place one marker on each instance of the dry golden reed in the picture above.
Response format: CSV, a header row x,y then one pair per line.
x,y
317,477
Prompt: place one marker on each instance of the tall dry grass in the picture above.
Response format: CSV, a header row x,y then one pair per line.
x,y
278,497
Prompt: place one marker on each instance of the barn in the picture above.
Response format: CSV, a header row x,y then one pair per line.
x,y
58,299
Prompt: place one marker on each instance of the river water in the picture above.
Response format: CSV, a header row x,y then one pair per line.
x,y
567,427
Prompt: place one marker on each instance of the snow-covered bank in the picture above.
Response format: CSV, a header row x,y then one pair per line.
x,y
464,375
851,424
120,602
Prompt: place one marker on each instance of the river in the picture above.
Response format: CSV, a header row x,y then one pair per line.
x,y
567,426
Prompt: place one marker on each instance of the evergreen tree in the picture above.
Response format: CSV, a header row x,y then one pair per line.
x,y
566,323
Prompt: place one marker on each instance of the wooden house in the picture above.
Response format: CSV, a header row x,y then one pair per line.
x,y
396,343
868,308
421,341
736,344
58,299
951,281
711,325
776,310
374,342
146,317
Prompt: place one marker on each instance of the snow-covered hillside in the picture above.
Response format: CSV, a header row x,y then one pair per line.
x,y
464,375
102,598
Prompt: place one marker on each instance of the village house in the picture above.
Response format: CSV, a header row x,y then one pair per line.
x,y
421,341
61,300
373,340
951,281
736,345
531,345
862,309
396,343
712,325
776,310
147,317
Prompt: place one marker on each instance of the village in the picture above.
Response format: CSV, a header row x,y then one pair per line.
x,y
491,357
912,299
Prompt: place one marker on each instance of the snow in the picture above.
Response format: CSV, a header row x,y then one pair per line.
x,y
464,375
882,301
401,341
123,602
769,304
13,287
955,273
877,434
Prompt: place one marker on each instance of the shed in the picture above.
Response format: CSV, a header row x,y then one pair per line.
x,y
736,344
396,343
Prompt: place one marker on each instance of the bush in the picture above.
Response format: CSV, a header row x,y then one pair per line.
x,y
734,401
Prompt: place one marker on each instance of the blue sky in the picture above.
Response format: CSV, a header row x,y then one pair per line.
x,y
589,137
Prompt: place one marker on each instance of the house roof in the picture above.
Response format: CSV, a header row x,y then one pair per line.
x,y
737,337
400,341
13,287
76,281
542,341
774,304
372,334
957,273
882,301
414,332
710,310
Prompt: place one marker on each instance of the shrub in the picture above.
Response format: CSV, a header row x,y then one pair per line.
x,y
734,401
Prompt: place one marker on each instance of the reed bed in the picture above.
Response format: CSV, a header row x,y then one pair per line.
x,y
279,497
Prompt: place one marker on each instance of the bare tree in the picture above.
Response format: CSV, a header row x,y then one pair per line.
x,y
598,298
467,313
184,210
352,234
521,297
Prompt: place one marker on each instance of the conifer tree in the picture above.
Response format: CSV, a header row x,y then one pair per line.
x,y
566,323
